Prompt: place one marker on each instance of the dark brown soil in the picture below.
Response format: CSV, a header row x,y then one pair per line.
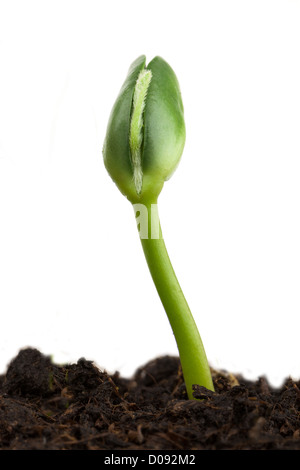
x,y
47,406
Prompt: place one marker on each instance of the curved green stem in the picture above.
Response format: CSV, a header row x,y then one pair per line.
x,y
193,359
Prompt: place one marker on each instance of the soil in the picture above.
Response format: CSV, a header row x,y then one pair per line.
x,y
44,406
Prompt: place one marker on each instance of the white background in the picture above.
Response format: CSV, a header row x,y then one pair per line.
x,y
73,279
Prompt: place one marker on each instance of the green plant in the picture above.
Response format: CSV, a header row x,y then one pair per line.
x,y
143,145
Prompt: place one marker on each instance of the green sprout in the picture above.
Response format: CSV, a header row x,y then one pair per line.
x,y
143,145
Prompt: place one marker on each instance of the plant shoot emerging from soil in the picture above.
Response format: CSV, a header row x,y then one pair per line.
x,y
144,142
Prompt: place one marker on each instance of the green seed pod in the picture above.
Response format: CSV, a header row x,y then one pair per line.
x,y
146,131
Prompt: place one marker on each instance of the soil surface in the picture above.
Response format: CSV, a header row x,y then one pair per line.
x,y
77,406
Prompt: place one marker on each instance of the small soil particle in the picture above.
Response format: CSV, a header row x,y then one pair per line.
x,y
44,406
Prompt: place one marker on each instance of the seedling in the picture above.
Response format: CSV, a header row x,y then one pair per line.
x,y
143,145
